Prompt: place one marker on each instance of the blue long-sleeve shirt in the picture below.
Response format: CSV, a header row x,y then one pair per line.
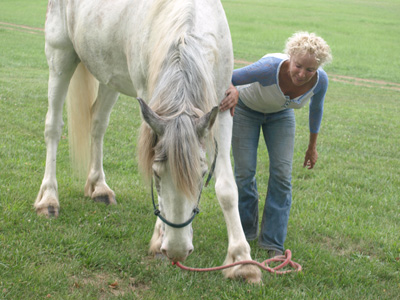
x,y
259,89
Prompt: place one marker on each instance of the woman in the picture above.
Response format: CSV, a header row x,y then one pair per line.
x,y
269,91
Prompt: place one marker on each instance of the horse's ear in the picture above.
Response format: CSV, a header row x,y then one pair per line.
x,y
151,118
206,122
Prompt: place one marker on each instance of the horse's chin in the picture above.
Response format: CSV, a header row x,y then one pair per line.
x,y
175,259
178,260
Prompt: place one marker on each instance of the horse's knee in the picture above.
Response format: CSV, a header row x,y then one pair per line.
x,y
227,194
53,129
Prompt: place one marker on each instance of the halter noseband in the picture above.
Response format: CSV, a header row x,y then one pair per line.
x,y
196,210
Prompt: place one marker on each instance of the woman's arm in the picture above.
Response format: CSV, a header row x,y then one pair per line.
x,y
256,72
316,110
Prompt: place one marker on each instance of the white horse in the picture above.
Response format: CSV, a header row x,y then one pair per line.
x,y
177,55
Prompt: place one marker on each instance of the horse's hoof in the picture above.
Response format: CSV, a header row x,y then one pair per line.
x,y
107,199
48,211
250,273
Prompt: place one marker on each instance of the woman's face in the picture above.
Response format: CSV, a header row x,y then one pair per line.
x,y
302,68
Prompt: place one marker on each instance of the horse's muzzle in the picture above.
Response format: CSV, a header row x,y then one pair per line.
x,y
177,255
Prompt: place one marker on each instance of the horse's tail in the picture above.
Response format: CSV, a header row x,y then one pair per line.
x,y
81,96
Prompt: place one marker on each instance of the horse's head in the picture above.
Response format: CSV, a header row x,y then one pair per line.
x,y
178,166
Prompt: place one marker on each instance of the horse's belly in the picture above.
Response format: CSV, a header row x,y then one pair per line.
x,y
110,72
121,84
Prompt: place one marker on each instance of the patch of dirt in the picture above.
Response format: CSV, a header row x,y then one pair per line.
x,y
344,246
108,285
22,28
365,82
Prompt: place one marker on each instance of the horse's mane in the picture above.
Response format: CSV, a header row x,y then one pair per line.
x,y
180,83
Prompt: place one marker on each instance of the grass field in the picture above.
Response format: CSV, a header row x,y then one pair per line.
x,y
345,218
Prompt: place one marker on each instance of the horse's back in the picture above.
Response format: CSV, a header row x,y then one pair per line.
x,y
98,31
111,38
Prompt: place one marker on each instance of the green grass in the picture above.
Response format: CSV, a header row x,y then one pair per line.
x,y
30,13
345,216
363,34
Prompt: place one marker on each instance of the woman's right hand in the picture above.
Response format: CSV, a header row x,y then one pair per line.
x,y
231,99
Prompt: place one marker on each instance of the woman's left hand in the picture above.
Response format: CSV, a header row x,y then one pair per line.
x,y
310,158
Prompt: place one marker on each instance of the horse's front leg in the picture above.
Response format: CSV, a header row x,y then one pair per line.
x,y
227,194
96,186
62,64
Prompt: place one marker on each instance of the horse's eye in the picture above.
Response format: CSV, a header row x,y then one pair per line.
x,y
155,171
156,175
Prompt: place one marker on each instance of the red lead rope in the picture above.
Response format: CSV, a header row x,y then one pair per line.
x,y
285,259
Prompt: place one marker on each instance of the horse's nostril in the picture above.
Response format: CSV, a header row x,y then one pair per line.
x,y
164,252
190,251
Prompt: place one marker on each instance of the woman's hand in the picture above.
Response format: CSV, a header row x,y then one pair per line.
x,y
311,153
230,100
310,158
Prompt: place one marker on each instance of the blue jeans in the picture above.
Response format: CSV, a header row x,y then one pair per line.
x,y
279,133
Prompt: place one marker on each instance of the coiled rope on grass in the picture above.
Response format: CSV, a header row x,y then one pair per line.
x,y
285,259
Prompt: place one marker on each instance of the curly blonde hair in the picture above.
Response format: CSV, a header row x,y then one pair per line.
x,y
304,42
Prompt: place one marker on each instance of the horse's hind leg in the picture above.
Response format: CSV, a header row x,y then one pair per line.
x,y
62,64
96,186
